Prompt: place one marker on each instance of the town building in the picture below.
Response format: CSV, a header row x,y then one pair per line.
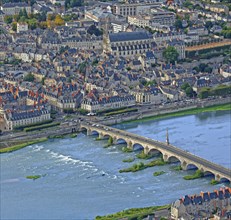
x,y
118,26
139,20
133,8
84,43
203,205
22,27
129,43
1,16
148,96
163,17
17,110
113,102
15,8
163,37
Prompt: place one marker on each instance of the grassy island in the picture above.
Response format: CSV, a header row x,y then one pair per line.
x,y
129,160
35,177
127,150
142,166
109,142
177,168
134,213
214,182
158,173
144,156
22,145
98,139
198,174
73,135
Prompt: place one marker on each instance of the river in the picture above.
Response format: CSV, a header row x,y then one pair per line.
x,y
82,180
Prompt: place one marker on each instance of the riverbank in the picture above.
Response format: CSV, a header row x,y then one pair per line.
x,y
22,145
222,107
135,213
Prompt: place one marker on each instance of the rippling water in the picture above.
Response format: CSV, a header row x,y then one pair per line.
x,y
82,180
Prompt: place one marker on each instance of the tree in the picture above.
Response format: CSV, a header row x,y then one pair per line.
x,y
59,21
43,80
73,3
185,86
29,77
8,19
14,26
63,49
208,24
32,23
94,30
24,12
178,24
189,91
171,54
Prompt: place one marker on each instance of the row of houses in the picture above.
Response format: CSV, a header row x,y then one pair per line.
x,y
203,206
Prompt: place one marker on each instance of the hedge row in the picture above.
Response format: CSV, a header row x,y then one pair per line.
x,y
218,91
121,111
41,126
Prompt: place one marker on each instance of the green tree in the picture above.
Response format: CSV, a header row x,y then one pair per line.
x,y
24,12
14,26
184,86
178,24
29,77
32,23
8,19
43,80
189,91
171,54
94,30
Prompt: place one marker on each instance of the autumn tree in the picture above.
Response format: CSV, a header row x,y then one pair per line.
x,y
59,21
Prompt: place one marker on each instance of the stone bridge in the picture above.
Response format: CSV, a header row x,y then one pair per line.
x,y
170,153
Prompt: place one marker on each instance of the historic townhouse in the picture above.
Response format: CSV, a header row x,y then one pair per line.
x,y
15,8
30,116
207,203
84,43
114,102
132,9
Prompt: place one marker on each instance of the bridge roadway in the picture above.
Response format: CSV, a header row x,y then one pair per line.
x,y
167,150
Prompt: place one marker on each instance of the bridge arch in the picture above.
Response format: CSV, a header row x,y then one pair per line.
x,y
137,147
154,152
83,128
94,132
191,166
224,180
120,141
173,159
208,173
106,136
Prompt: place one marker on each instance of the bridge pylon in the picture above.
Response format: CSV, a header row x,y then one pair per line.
x,y
167,137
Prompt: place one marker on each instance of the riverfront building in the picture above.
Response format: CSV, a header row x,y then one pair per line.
x,y
114,102
203,205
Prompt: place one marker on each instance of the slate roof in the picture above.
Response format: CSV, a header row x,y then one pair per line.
x,y
16,4
128,36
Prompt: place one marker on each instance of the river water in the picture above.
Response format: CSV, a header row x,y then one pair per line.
x,y
82,180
